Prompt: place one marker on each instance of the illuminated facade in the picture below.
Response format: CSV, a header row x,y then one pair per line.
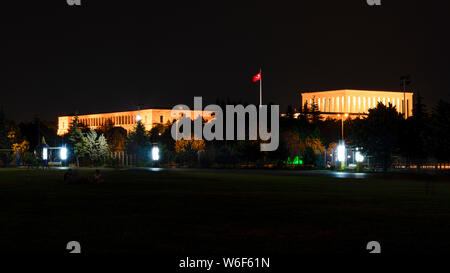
x,y
128,119
355,103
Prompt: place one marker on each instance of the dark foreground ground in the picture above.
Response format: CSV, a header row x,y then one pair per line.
x,y
187,213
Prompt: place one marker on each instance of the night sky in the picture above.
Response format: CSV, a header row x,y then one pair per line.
x,y
113,56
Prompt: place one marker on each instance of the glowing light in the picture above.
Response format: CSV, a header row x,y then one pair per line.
x,y
155,153
341,152
359,157
44,153
295,161
63,153
138,117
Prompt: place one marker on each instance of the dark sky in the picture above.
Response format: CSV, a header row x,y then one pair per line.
x,y
112,56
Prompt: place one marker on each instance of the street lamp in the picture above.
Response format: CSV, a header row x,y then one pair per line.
x,y
341,147
155,153
341,152
342,123
63,153
44,153
359,157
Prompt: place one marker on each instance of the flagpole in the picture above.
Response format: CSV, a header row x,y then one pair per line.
x,y
260,87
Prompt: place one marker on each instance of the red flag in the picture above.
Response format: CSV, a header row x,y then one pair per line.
x,y
257,77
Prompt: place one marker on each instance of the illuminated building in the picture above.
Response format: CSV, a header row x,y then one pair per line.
x,y
355,103
128,119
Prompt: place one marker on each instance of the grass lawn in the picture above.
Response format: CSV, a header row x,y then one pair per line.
x,y
223,213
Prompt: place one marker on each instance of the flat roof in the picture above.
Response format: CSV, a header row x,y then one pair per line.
x,y
358,90
117,112
130,111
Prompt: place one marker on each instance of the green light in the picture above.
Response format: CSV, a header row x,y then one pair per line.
x,y
296,161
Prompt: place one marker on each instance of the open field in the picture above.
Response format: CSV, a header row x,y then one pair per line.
x,y
220,213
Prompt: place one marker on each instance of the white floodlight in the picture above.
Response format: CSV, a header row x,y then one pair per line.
x,y
44,153
155,153
341,152
63,153
359,157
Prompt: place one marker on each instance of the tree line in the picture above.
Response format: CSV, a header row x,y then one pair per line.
x,y
306,139
423,138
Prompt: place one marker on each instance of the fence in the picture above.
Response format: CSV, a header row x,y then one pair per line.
x,y
124,159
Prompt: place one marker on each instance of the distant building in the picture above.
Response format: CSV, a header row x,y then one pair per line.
x,y
335,103
128,119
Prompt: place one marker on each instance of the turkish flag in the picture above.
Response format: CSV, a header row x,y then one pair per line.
x,y
257,77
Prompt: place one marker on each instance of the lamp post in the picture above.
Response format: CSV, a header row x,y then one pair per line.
x,y
341,154
359,160
63,154
342,145
45,155
155,154
342,124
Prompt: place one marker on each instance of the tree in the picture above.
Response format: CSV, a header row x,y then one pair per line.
x,y
188,151
314,114
138,142
77,140
223,155
312,149
96,146
245,151
21,148
416,134
14,133
115,136
4,141
292,142
290,111
331,130
440,131
305,107
379,133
